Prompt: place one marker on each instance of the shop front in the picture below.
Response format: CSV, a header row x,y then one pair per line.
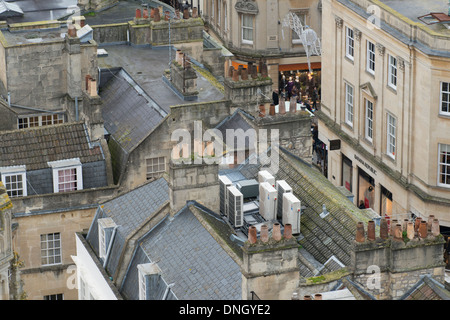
x,y
298,76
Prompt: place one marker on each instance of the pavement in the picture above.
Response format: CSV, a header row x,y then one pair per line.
x,y
146,66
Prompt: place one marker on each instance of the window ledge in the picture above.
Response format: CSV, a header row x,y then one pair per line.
x,y
349,59
392,88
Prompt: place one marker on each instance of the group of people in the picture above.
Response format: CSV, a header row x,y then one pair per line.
x,y
287,93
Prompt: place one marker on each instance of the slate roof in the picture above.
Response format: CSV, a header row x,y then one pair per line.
x,y
238,120
192,260
34,147
8,9
129,114
427,289
129,211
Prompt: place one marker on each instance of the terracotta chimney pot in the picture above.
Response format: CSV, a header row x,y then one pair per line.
x,y
264,235
272,109
360,237
417,224
252,235
152,13
72,32
194,12
371,230
157,16
307,297
384,233
276,232
430,221
262,110
145,13
317,296
398,235
405,224
244,74
287,231
410,230
423,229
138,13
230,71
186,14
393,224
235,75
435,230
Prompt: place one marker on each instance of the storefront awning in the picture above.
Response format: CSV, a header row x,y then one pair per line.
x,y
299,66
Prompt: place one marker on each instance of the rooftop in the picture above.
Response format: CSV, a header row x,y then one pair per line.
x,y
34,147
146,66
413,9
40,10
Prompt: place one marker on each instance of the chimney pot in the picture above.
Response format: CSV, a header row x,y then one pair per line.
x,y
72,32
398,236
157,16
92,87
186,14
430,221
435,230
410,230
230,71
405,224
254,72
417,224
194,12
167,16
276,232
152,13
244,74
252,235
371,230
293,105
393,224
317,296
384,234
145,13
307,297
287,231
295,296
235,75
272,109
138,13
262,110
264,235
360,237
423,229
282,106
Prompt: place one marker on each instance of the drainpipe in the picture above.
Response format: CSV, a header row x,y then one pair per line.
x,y
76,108
9,99
109,247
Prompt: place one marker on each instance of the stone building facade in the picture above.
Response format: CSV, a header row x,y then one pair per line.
x,y
391,123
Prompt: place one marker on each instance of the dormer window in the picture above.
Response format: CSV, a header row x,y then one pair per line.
x,y
105,231
67,175
149,274
14,179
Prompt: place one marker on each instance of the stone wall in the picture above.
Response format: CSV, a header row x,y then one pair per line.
x,y
42,280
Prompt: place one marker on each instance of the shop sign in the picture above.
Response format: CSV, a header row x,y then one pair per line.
x,y
365,164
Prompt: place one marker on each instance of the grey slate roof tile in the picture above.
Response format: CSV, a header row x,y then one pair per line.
x,y
34,147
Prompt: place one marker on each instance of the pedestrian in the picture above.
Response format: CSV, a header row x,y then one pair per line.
x,y
315,97
275,97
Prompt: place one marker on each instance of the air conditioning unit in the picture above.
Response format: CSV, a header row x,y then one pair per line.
x,y
235,207
267,201
249,188
282,188
291,212
265,176
224,183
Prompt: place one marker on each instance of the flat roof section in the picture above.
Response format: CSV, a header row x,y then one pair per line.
x,y
413,9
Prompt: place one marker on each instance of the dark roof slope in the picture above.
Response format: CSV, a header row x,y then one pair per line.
x,y
191,259
129,114
34,147
427,289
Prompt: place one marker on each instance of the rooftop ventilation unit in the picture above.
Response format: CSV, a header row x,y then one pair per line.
x,y
249,188
265,176
291,212
282,187
224,183
267,201
235,207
